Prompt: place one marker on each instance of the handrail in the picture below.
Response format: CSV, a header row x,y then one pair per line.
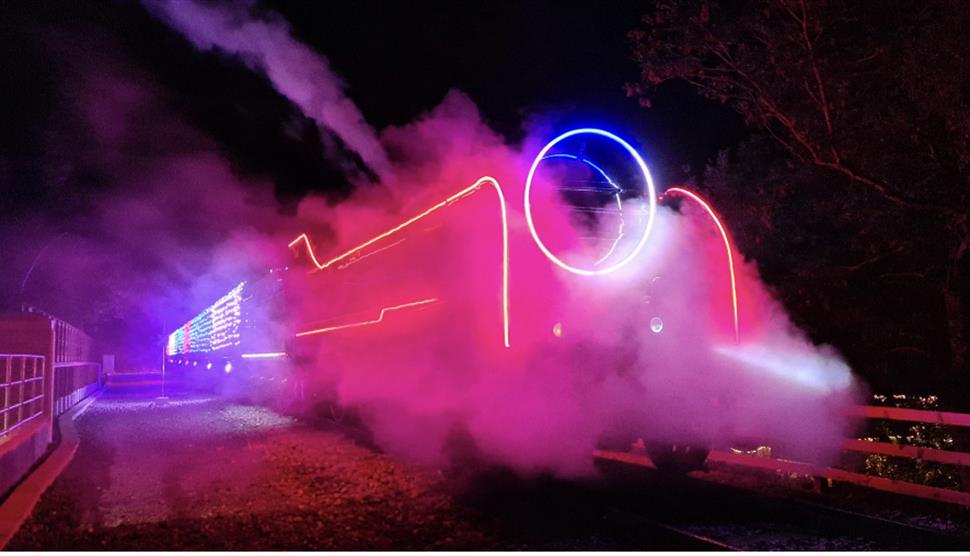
x,y
841,475
940,494
907,451
21,399
947,457
75,364
913,415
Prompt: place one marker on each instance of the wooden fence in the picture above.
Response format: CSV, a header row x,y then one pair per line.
x,y
949,457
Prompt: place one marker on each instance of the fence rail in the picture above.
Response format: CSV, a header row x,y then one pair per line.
x,y
73,382
952,496
882,448
21,390
913,415
841,475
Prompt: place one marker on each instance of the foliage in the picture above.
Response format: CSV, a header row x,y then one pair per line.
x,y
922,435
859,170
814,76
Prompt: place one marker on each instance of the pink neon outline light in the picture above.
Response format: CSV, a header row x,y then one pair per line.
x,y
464,192
727,248
379,319
650,194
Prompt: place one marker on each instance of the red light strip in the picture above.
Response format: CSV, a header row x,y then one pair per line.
x,y
379,318
374,252
464,192
727,248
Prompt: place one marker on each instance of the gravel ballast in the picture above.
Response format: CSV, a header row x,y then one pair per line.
x,y
198,472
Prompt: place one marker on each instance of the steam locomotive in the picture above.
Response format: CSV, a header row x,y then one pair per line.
x,y
574,272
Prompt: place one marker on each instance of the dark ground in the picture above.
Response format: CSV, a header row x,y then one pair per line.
x,y
201,472
198,472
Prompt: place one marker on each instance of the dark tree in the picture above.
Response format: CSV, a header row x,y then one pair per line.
x,y
868,102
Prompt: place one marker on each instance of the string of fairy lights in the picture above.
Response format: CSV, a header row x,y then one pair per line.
x,y
215,328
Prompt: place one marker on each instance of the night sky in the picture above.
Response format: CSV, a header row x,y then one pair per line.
x,y
565,65
515,60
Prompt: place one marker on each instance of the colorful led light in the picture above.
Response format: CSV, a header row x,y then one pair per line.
x,y
727,248
226,317
173,343
379,319
215,328
650,194
486,180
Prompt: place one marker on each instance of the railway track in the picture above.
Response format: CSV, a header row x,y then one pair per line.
x,y
668,536
545,513
744,519
636,507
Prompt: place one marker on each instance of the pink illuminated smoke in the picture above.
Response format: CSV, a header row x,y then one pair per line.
x,y
295,69
647,351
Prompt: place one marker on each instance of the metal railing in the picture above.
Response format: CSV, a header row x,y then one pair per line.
x,y
74,381
21,390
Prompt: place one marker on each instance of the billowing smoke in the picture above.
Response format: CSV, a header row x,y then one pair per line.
x,y
587,360
136,198
295,70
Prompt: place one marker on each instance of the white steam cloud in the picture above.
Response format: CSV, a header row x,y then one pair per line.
x,y
585,361
295,70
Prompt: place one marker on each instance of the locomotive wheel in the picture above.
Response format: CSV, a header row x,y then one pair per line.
x,y
676,458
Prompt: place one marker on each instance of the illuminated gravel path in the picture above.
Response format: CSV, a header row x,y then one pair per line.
x,y
204,473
